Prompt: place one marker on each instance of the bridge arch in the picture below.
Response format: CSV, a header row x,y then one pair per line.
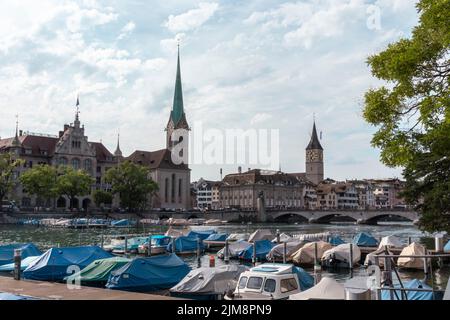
x,y
290,217
326,218
397,216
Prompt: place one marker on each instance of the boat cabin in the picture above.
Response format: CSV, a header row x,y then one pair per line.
x,y
266,281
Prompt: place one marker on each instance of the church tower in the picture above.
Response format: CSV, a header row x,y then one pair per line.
x,y
314,158
177,118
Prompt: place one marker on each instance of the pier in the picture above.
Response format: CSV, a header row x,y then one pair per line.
x,y
60,291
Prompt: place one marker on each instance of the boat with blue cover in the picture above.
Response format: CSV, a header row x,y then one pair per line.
x,y
149,274
364,239
204,234
335,240
411,295
185,245
23,264
27,250
263,247
159,245
56,263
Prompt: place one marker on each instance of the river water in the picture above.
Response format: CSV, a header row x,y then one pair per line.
x,y
45,238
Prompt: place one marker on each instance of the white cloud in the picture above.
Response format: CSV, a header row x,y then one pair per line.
x,y
127,30
170,45
260,118
193,18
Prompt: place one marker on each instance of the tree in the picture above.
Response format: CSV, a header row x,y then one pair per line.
x,y
73,183
40,181
102,197
8,165
412,112
132,183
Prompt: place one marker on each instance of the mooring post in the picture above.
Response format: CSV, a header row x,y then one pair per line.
x,y
149,250
425,266
126,246
254,254
316,253
17,263
199,262
102,240
227,253
377,263
284,252
174,245
409,241
278,235
351,256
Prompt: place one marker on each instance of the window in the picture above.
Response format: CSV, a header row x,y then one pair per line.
x,y
242,282
288,285
254,283
270,285
62,161
166,190
173,187
76,164
180,183
88,165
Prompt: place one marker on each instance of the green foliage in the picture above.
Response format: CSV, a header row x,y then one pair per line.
x,y
412,111
73,183
40,181
102,197
132,183
8,165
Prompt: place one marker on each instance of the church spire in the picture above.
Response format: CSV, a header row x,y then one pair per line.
x,y
178,108
314,143
77,113
16,141
118,152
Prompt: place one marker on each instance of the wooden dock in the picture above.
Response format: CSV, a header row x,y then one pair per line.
x,y
60,291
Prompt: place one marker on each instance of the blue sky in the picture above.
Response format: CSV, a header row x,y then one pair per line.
x,y
245,64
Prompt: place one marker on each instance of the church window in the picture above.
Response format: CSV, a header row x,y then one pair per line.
x,y
166,190
76,164
88,165
173,187
180,185
63,161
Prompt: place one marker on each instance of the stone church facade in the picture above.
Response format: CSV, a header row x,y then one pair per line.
x,y
71,147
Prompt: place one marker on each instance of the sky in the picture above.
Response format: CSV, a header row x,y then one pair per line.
x,y
245,64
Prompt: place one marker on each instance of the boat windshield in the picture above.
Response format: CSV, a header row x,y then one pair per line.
x,y
270,285
254,283
288,285
242,282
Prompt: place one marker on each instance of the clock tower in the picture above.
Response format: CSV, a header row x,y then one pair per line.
x,y
314,158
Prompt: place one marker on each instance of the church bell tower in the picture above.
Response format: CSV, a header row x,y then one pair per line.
x,y
314,158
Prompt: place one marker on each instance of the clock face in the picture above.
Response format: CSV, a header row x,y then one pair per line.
x,y
313,155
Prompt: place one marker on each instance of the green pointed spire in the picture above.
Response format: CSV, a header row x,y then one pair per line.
x,y
314,142
177,109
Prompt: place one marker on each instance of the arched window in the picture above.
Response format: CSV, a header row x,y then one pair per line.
x,y
62,161
76,164
166,190
180,184
88,165
173,187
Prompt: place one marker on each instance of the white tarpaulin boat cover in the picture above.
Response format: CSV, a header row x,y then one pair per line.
x,y
326,289
412,263
391,241
277,252
370,258
176,233
237,236
284,237
342,253
260,234
210,280
234,249
305,255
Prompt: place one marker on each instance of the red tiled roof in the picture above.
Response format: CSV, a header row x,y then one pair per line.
x,y
102,154
155,159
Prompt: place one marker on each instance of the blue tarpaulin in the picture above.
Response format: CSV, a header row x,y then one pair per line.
x,y
53,265
121,223
336,240
7,252
23,264
447,246
185,244
149,274
160,240
217,237
411,295
363,239
263,247
9,296
305,279
201,234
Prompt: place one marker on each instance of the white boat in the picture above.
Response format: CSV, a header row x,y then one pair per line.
x,y
326,289
339,256
268,281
